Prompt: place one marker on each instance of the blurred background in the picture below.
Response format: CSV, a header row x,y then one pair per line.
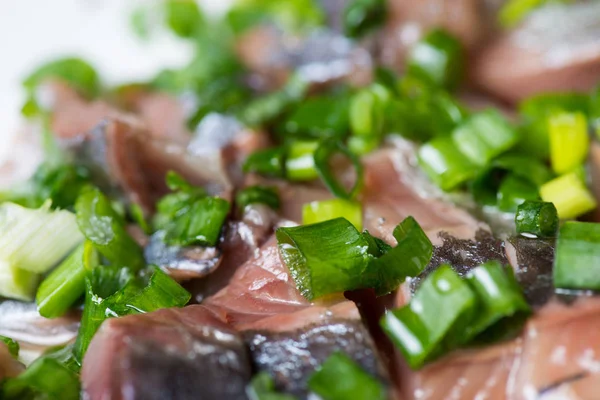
x,y
35,31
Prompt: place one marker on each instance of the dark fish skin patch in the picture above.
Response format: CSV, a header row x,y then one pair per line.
x,y
291,357
463,254
214,371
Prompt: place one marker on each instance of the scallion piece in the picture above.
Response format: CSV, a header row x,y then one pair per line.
x,y
13,345
262,387
300,161
258,195
484,136
536,110
595,110
499,296
435,320
114,292
36,240
569,194
269,162
318,117
577,259
322,161
362,16
409,258
444,164
102,226
486,185
319,211
161,291
16,283
513,191
569,141
45,378
61,289
349,380
536,219
438,58
183,17
321,267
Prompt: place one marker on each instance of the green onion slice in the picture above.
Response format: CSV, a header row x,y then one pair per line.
x,y
13,345
258,195
444,164
322,158
66,284
262,387
536,219
577,259
569,194
500,297
435,320
102,226
45,378
349,380
319,211
409,258
569,141
320,267
269,162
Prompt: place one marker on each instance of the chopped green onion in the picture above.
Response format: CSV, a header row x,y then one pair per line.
x,y
435,320
377,247
437,58
36,240
535,139
484,136
367,110
486,185
262,387
137,214
11,344
569,194
206,217
361,145
114,292
321,267
269,162
16,283
318,117
189,216
537,219
265,109
100,284
513,11
59,183
409,258
45,378
577,259
183,17
513,191
78,73
444,164
300,162
102,226
499,295
61,289
322,157
161,291
319,211
340,378
362,16
569,141
258,195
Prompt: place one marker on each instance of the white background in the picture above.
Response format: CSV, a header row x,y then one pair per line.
x,y
34,31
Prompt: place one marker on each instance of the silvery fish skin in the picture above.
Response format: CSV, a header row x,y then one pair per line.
x,y
168,354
